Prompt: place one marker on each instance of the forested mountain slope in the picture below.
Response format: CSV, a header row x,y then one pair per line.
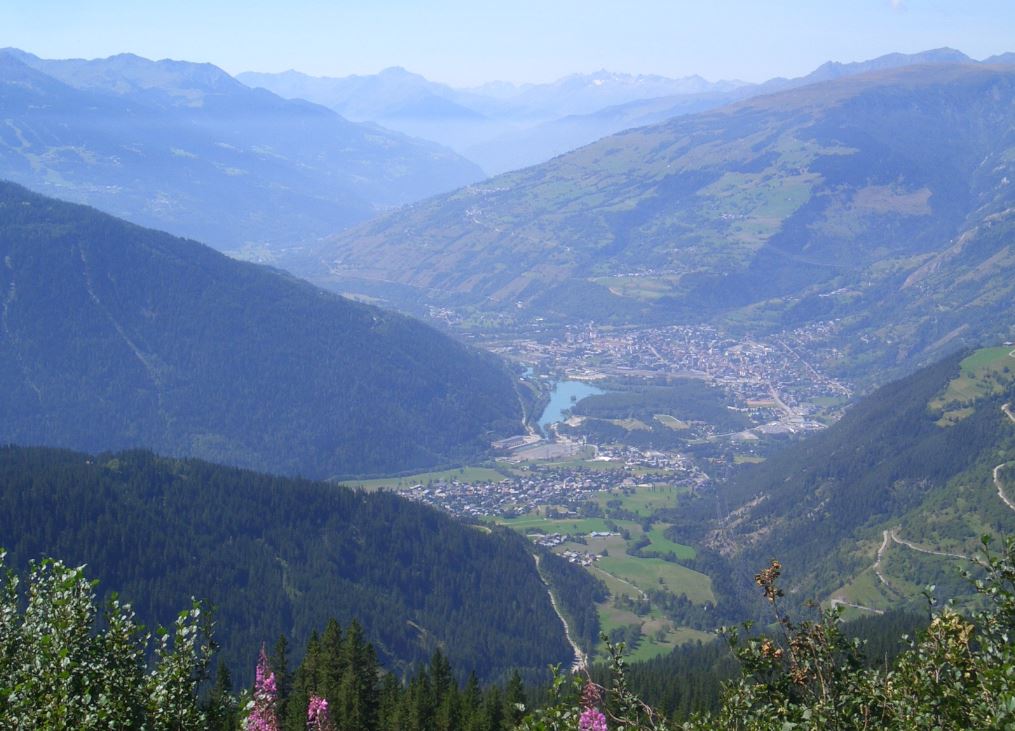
x,y
274,555
185,147
891,497
114,336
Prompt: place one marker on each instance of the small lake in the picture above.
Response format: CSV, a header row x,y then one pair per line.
x,y
564,396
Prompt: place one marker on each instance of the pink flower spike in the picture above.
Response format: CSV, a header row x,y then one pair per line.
x,y
263,716
592,720
317,714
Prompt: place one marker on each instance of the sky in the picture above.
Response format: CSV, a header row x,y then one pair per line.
x,y
468,43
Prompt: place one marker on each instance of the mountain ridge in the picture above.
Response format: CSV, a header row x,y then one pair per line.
x,y
893,496
187,147
114,336
788,206
271,556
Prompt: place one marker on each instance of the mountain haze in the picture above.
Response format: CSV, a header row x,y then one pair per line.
x,y
186,147
114,336
533,145
497,125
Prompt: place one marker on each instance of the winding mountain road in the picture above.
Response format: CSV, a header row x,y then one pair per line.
x,y
893,535
997,470
840,603
1000,487
921,549
877,562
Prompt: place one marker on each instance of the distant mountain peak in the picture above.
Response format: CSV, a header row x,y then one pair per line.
x,y
835,69
399,71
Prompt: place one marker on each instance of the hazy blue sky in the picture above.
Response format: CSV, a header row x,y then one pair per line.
x,y
462,42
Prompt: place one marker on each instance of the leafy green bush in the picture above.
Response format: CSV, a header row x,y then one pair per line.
x,y
61,669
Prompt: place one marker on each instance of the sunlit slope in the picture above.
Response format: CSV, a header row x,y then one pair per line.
x,y
893,497
814,201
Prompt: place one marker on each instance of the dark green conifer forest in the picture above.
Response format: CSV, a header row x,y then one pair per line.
x,y
272,555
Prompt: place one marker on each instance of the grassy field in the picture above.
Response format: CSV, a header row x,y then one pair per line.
x,y
632,576
643,501
615,585
828,402
462,474
630,424
642,288
659,635
664,545
672,422
585,462
982,374
654,573
574,526
867,590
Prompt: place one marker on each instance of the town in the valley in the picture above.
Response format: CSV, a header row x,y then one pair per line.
x,y
777,383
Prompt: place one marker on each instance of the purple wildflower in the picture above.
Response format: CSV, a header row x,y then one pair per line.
x,y
263,717
317,714
592,720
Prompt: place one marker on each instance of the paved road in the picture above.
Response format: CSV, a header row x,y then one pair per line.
x,y
921,549
839,602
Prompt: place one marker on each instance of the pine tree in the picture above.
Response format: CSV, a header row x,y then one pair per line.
x,y
220,708
303,684
472,702
493,709
514,699
283,681
358,691
331,667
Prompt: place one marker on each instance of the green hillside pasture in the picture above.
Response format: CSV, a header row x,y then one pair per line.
x,y
643,501
867,591
757,202
615,585
664,545
911,571
567,526
643,573
611,617
624,574
671,422
461,474
952,518
646,573
649,647
983,373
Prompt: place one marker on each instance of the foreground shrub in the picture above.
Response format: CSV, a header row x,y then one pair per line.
x,y
60,668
